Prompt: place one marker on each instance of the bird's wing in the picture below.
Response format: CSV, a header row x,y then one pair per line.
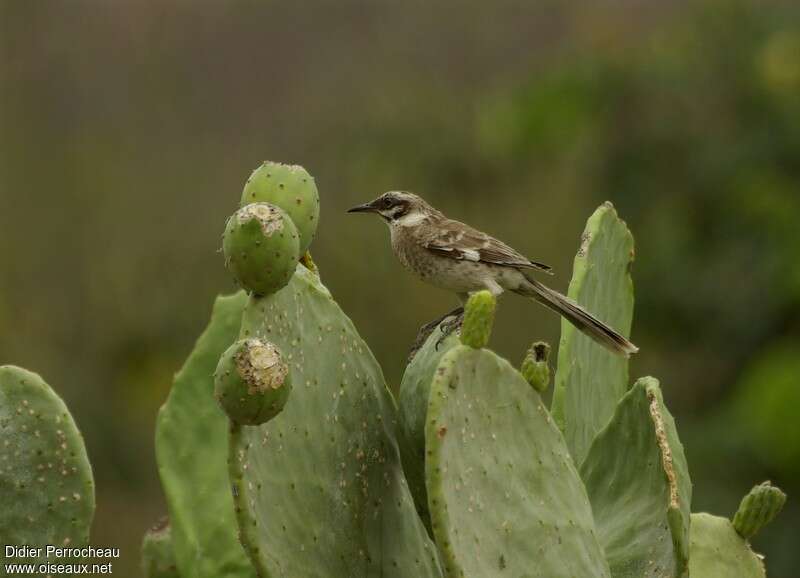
x,y
459,241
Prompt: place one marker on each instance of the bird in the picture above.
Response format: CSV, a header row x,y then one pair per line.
x,y
453,256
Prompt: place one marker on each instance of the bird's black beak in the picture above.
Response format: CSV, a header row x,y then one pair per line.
x,y
365,208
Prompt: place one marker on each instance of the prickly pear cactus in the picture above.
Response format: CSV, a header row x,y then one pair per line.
x,y
536,366
291,188
718,551
758,508
158,555
261,247
478,319
192,451
638,483
252,382
505,497
412,404
319,490
590,380
46,485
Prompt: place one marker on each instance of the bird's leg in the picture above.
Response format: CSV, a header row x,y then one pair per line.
x,y
426,330
451,325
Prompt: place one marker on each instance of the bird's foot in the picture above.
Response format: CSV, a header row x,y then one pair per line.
x,y
451,325
426,330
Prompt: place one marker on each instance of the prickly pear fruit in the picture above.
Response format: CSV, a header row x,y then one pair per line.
x,y
758,508
158,556
192,454
291,188
46,485
252,381
478,319
261,247
535,367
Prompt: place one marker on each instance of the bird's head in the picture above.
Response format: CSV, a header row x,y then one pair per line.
x,y
397,207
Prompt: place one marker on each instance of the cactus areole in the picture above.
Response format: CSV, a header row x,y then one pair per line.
x,y
252,381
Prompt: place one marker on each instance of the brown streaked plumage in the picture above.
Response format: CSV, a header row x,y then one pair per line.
x,y
454,256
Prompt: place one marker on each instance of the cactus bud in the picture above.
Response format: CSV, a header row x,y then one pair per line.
x,y
261,247
291,188
478,319
758,508
252,382
535,368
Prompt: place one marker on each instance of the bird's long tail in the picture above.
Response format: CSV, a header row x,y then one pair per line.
x,y
584,321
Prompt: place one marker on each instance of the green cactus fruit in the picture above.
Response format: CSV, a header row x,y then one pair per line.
x,y
46,485
252,382
478,319
718,551
291,188
638,483
192,453
261,248
412,405
758,508
504,495
319,489
536,367
158,556
589,379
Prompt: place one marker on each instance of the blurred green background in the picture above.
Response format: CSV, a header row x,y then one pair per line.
x,y
127,130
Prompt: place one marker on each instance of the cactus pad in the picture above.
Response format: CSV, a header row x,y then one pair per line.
x,y
319,489
252,382
158,556
718,551
46,486
589,379
261,248
536,367
478,319
504,495
758,508
638,482
412,410
291,188
192,451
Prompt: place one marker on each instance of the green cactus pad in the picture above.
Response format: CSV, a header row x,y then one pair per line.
x,y
718,551
319,489
252,381
192,452
478,319
758,508
504,495
46,485
412,402
291,188
589,379
261,248
158,556
536,367
638,482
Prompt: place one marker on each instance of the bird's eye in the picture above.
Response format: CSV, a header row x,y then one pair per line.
x,y
386,203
